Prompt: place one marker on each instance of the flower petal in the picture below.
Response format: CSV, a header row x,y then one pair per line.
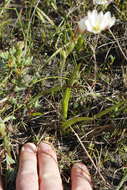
x,y
96,22
81,24
88,25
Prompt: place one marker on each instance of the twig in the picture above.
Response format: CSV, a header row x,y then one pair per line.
x,y
118,45
88,155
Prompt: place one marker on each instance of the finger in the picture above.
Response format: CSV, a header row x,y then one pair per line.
x,y
27,178
80,177
49,176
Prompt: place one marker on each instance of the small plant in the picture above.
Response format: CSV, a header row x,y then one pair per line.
x,y
63,76
6,140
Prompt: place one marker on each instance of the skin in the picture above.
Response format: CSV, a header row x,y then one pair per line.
x,y
38,170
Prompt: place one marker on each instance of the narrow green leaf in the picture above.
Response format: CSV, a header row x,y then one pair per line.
x,y
65,102
75,120
67,93
37,114
107,110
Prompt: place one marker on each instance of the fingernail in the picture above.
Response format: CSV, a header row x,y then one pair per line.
x,y
29,147
44,147
80,167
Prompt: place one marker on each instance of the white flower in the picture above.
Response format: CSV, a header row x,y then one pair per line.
x,y
102,2
96,22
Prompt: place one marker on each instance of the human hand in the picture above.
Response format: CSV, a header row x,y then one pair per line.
x,y
38,170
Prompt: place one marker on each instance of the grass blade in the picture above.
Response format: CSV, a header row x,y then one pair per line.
x,y
43,16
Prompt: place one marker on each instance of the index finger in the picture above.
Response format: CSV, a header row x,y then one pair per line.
x,y
81,179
